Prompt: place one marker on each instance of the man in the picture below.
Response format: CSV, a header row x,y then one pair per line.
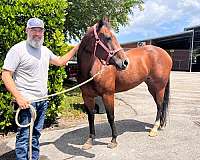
x,y
25,75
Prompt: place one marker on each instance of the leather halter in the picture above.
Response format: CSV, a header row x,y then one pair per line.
x,y
111,53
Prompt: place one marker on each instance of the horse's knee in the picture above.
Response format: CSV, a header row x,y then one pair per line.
x,y
89,111
110,118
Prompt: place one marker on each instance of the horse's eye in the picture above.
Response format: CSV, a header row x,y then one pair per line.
x,y
108,38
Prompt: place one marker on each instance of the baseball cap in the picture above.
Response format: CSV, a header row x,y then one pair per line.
x,y
35,22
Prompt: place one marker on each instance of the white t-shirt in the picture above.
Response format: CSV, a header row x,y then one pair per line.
x,y
30,69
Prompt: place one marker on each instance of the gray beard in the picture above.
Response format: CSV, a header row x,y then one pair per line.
x,y
34,43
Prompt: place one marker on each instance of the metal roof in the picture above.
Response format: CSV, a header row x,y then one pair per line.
x,y
191,28
184,34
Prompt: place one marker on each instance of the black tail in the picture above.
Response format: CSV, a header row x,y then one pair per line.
x,y
164,112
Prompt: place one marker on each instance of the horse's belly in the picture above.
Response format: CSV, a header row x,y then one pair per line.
x,y
124,86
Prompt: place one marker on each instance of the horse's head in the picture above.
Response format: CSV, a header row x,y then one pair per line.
x,y
102,43
107,47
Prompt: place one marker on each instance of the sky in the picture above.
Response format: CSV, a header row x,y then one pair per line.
x,y
160,18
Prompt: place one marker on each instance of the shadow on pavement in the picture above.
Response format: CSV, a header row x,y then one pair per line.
x,y
77,137
8,155
11,156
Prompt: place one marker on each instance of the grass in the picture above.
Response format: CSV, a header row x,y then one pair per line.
x,y
72,105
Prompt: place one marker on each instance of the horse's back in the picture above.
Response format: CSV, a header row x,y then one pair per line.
x,y
150,56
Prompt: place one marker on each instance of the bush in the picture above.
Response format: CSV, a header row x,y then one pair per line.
x,y
14,15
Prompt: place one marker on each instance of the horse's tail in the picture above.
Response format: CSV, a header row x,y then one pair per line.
x,y
165,104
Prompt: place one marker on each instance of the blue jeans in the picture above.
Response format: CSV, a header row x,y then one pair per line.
x,y
22,137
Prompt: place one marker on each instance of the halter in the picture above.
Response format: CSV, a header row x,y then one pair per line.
x,y
111,53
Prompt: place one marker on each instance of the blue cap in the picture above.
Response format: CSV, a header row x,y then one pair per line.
x,y
35,22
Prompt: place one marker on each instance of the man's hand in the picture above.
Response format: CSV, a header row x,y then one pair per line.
x,y
22,102
76,48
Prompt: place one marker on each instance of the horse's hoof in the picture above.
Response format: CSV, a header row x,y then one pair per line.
x,y
162,127
153,133
112,145
87,146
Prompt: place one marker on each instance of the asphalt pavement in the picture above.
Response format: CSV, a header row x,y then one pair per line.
x,y
135,113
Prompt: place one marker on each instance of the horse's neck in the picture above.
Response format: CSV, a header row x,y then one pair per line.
x,y
97,66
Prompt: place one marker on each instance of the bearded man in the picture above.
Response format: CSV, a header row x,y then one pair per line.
x,y
25,75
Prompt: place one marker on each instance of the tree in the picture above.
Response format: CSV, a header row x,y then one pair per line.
x,y
84,13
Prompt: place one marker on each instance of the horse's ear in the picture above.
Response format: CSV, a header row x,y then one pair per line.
x,y
100,24
103,21
106,20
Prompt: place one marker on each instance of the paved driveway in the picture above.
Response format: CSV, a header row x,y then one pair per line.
x,y
135,112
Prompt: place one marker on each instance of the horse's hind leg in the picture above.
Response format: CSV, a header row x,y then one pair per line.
x,y
109,106
158,99
165,103
89,105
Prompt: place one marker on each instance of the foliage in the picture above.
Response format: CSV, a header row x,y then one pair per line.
x,y
84,13
14,15
6,110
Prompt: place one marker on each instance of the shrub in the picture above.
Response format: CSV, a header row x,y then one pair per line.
x,y
14,15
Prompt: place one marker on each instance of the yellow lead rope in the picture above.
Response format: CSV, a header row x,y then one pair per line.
x,y
67,90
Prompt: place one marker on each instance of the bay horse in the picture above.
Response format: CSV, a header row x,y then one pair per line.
x,y
99,51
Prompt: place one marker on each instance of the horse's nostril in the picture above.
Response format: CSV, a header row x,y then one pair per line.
x,y
125,63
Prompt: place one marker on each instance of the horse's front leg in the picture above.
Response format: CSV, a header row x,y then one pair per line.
x,y
89,105
109,106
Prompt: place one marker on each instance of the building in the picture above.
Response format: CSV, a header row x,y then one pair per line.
x,y
184,48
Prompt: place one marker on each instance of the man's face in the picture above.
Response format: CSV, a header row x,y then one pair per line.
x,y
35,36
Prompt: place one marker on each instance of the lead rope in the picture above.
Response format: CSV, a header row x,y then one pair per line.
x,y
34,114
30,125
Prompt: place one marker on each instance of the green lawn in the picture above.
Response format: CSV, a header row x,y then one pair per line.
x,y
72,105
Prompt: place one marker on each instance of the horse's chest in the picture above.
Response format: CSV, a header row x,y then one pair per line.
x,y
104,84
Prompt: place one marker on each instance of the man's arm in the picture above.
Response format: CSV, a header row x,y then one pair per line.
x,y
61,61
11,87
